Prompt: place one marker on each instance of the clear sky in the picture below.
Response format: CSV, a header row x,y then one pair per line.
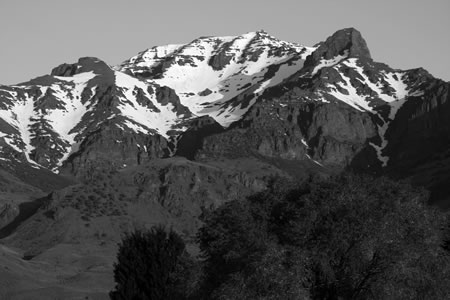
x,y
37,35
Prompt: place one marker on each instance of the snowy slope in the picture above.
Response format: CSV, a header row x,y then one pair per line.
x,y
45,113
220,77
157,91
157,118
213,91
389,88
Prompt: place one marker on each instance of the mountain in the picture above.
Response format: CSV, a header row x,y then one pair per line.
x,y
92,150
155,93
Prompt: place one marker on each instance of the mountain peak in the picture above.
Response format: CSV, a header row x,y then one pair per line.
x,y
348,42
346,39
85,64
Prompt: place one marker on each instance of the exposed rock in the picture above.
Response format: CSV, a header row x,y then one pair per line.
x,y
166,95
192,140
113,148
221,58
419,139
8,211
65,70
85,64
205,92
331,134
348,39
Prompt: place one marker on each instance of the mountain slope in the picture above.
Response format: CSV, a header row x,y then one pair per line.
x,y
330,104
153,96
220,76
45,120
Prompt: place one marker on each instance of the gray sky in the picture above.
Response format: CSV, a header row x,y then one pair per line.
x,y
37,35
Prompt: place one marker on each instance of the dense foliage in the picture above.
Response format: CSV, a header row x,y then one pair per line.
x,y
350,237
149,266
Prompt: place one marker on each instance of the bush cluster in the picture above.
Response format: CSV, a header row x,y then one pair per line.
x,y
349,237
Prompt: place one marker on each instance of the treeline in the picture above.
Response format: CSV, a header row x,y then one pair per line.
x,y
349,237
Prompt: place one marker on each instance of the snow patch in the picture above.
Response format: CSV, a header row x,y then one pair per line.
x,y
20,116
395,101
305,143
352,97
314,161
379,148
329,62
162,121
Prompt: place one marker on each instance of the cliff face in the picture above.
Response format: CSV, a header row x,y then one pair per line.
x,y
347,41
109,149
422,127
420,142
330,134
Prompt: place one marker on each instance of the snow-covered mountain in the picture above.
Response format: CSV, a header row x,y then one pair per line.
x,y
210,73
89,112
220,77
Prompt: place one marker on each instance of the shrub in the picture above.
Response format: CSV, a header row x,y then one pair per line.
x,y
146,261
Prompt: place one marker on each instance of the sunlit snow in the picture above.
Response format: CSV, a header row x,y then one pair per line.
x,y
329,62
189,79
161,121
395,101
353,99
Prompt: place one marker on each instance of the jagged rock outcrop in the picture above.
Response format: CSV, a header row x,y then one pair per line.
x,y
222,56
331,134
111,149
348,42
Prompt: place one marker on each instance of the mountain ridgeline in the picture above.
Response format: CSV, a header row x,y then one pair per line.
x,y
246,96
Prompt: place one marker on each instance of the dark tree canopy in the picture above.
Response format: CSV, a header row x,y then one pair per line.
x,y
350,237
146,261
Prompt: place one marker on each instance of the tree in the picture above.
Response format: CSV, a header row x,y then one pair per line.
x,y
348,237
146,263
230,240
278,274
365,236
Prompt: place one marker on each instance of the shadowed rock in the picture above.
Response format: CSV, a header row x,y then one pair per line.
x,y
348,39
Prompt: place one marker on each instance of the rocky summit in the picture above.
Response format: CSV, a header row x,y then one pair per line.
x,y
92,150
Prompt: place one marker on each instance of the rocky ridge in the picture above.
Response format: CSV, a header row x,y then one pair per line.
x,y
140,109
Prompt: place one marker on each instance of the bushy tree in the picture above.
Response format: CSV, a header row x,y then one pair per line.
x,y
349,237
364,236
230,240
278,274
146,264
